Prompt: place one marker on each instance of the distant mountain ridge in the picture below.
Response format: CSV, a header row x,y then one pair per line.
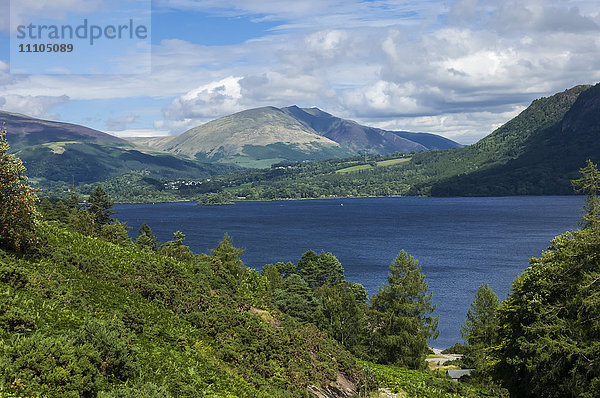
x,y
23,131
57,153
263,136
370,139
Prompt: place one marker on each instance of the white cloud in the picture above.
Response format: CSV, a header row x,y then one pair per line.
x,y
37,106
120,123
385,62
127,133
209,100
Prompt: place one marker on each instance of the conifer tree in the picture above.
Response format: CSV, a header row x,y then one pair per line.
x,y
99,206
146,238
480,330
402,319
589,184
18,202
320,269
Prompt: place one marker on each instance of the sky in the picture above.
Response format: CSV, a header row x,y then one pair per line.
x,y
456,68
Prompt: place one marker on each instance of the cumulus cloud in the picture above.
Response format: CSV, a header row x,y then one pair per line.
x,y
458,70
37,106
120,123
209,100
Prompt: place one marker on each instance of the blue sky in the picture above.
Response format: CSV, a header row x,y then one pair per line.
x,y
456,68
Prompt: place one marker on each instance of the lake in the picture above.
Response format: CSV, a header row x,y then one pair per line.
x,y
459,242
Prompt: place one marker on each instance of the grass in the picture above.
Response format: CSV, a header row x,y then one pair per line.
x,y
382,163
421,383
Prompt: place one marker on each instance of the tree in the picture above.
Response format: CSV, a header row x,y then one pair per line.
x,y
343,314
297,299
18,202
320,269
229,256
146,238
549,324
589,184
402,320
116,233
480,330
99,206
481,325
176,249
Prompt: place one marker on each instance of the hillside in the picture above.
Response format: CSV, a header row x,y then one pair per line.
x,y
536,153
24,131
123,320
57,153
263,136
361,138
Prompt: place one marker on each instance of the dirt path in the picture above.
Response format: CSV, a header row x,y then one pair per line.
x,y
440,358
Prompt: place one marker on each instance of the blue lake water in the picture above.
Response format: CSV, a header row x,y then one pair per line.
x,y
459,242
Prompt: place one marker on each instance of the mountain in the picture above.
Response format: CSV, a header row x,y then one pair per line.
x,y
264,136
255,137
363,138
56,153
538,152
24,131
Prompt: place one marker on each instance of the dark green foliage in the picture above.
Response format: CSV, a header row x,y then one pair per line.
x,y
286,269
89,318
590,184
549,323
549,334
229,256
215,199
146,238
343,314
320,269
99,205
481,325
297,299
401,320
116,233
81,221
176,249
18,202
274,277
480,330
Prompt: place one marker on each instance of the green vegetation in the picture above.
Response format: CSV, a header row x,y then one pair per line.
x,y
412,383
480,330
530,155
549,327
18,212
402,321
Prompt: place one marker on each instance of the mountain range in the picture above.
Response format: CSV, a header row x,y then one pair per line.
x,y
56,153
538,152
263,136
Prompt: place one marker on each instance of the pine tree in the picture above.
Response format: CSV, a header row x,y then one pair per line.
x,y
18,202
589,184
99,206
402,319
481,325
480,330
146,238
320,269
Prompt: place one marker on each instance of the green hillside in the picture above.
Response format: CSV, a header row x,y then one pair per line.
x,y
255,137
87,316
536,153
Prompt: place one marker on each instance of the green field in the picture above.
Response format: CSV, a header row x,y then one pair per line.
x,y
383,163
